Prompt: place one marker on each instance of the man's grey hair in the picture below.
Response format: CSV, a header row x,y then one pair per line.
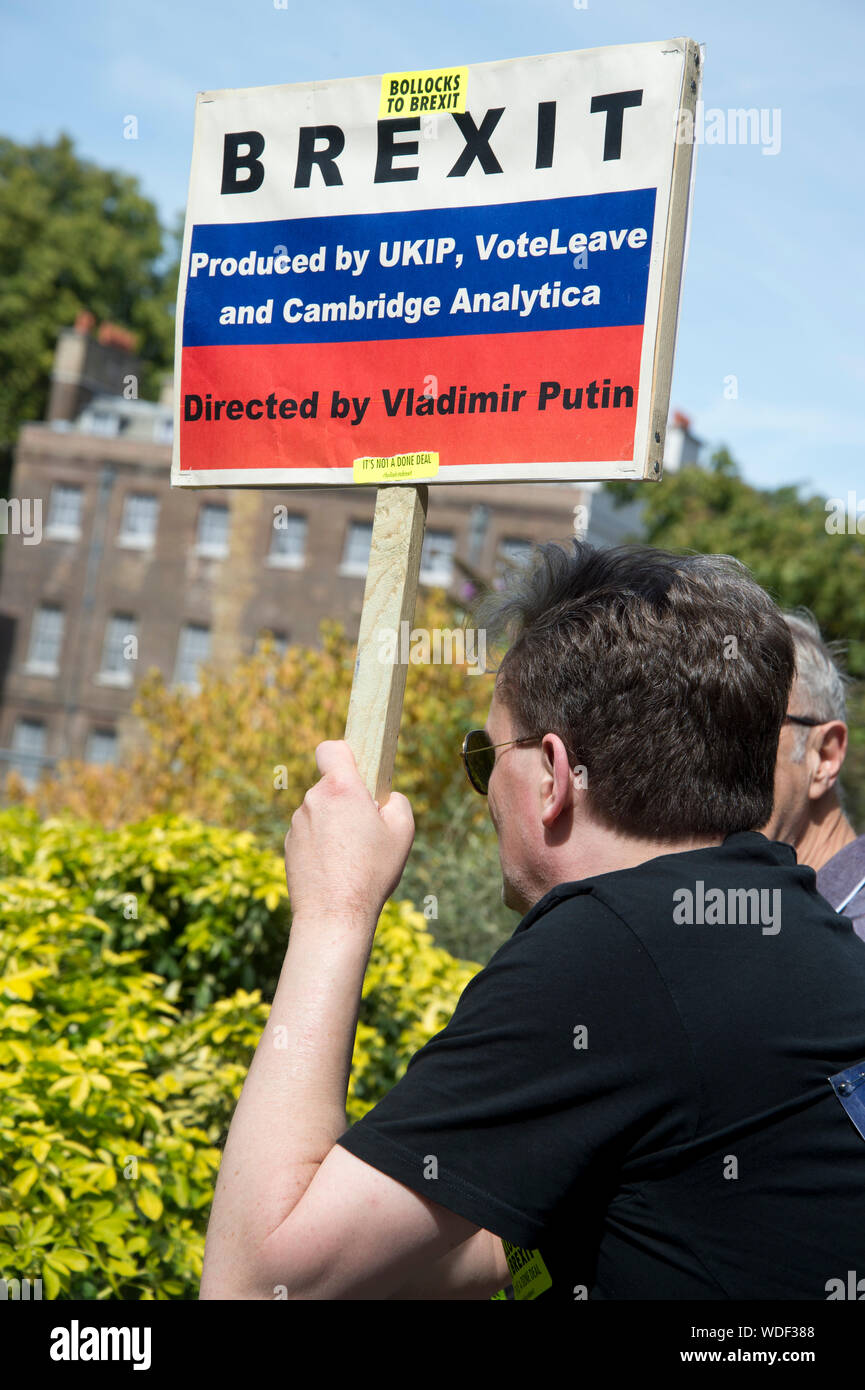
x,y
821,679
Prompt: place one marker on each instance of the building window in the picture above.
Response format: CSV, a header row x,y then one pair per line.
x,y
46,640
436,561
288,546
119,650
355,558
138,522
512,550
28,750
101,746
101,422
64,513
163,429
212,536
279,640
193,650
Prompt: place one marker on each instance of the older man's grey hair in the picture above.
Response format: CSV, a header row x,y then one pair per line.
x,y
821,679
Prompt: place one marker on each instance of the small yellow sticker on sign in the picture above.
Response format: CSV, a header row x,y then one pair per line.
x,y
423,93
400,468
529,1275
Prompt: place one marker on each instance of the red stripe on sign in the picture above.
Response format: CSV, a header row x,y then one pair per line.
x,y
493,398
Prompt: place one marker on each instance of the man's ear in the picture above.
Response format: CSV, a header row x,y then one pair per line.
x,y
558,792
831,752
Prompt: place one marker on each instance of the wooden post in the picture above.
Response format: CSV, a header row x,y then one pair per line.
x,y
375,706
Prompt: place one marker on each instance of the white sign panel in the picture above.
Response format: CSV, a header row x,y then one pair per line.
x,y
451,275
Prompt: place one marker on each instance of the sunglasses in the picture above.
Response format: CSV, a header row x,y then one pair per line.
x,y
479,756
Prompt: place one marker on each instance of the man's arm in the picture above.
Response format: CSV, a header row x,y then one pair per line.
x,y
477,1269
294,1214
292,1107
358,1234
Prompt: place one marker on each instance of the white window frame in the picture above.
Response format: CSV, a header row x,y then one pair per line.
x,y
353,566
212,549
105,423
64,530
138,540
437,578
34,666
22,760
280,559
126,626
191,683
101,733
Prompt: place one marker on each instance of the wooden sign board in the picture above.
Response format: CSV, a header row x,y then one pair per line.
x,y
458,275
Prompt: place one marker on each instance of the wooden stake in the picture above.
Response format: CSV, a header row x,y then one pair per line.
x,y
375,706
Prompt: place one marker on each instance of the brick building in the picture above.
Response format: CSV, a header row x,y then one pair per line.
x,y
129,574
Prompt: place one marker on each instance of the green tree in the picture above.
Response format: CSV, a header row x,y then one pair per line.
x,y
72,237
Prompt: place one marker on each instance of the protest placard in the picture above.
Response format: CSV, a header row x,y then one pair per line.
x,y
481,284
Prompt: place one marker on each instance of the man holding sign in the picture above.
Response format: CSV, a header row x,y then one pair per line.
x,y
638,1097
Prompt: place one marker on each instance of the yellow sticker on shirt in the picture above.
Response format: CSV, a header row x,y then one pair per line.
x,y
529,1275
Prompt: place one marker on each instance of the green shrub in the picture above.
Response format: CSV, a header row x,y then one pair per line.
x,y
208,906
117,1083
455,876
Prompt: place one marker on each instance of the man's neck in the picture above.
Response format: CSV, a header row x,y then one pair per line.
x,y
603,852
823,838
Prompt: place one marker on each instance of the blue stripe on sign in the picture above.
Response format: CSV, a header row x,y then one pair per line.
x,y
621,274
849,1087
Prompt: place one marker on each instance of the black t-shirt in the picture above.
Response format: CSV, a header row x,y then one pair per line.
x,y
635,1089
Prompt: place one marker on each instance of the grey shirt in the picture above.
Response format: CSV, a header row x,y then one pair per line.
x,y
842,876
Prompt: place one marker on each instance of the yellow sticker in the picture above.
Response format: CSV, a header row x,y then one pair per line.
x,y
529,1274
400,467
423,93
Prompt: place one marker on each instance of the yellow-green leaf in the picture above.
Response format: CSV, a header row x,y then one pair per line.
x,y
72,1259
150,1204
25,1180
62,1084
79,1092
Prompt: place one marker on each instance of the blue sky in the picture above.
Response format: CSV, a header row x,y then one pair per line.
x,y
773,291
